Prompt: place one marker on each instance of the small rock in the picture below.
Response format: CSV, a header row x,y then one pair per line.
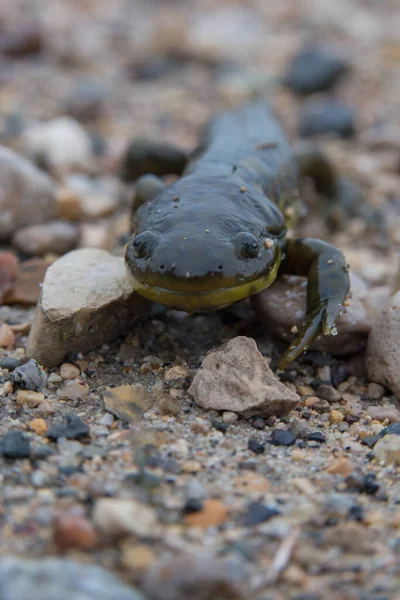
x,y
127,402
258,513
351,537
68,371
383,351
74,532
137,558
7,337
73,428
336,416
282,437
29,398
229,417
56,237
326,116
98,197
9,267
314,69
192,466
117,518
54,378
27,195
24,40
213,514
9,363
328,392
387,450
316,436
375,391
86,301
195,577
258,423
69,204
168,405
340,466
50,578
236,377
86,100
27,285
29,376
39,426
14,444
301,429
393,429
75,389
370,440
256,446
359,482
59,143
383,412
195,494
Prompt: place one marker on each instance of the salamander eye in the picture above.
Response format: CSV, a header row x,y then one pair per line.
x,y
144,244
247,245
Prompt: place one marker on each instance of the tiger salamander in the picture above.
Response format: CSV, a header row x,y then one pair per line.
x,y
217,235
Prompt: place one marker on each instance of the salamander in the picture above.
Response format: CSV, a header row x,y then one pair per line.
x,y
217,234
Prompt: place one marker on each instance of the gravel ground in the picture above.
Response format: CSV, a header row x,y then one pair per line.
x,y
175,500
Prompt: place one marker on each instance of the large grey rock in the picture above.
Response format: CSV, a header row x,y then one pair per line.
x,y
283,306
27,195
383,351
85,302
236,377
61,579
56,237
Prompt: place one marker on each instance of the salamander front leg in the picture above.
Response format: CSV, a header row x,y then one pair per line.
x,y
144,156
327,288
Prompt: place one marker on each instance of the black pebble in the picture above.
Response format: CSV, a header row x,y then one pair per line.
x,y
258,513
193,505
15,445
370,440
326,116
356,513
314,69
358,482
73,428
256,446
282,437
220,426
316,436
258,422
7,362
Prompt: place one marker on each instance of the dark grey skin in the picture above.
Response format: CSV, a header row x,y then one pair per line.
x,y
217,235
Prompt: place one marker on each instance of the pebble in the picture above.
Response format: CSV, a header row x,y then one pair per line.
x,y
328,392
29,398
9,267
283,305
69,204
86,99
236,377
375,391
60,143
72,531
336,416
282,437
326,116
127,402
258,423
229,417
38,425
393,429
64,579
29,376
315,68
359,482
73,428
340,466
256,446
316,436
212,514
256,513
383,412
54,237
387,450
7,336
9,363
168,405
199,577
14,444
27,194
137,558
116,518
74,389
192,466
27,286
98,197
54,378
383,351
69,371
86,301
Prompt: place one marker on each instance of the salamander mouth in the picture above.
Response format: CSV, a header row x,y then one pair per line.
x,y
206,299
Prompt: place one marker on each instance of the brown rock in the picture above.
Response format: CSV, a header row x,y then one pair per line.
x,y
137,557
282,307
252,483
39,426
9,267
213,514
383,412
168,406
336,416
351,537
383,351
127,402
86,301
7,337
341,466
75,389
29,398
26,288
68,371
74,532
69,204
236,377
54,237
27,195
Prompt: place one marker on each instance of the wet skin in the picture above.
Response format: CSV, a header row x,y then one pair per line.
x,y
217,235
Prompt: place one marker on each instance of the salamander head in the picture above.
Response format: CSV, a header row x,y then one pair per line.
x,y
201,251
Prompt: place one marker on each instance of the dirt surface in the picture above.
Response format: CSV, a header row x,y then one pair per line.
x,y
125,68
